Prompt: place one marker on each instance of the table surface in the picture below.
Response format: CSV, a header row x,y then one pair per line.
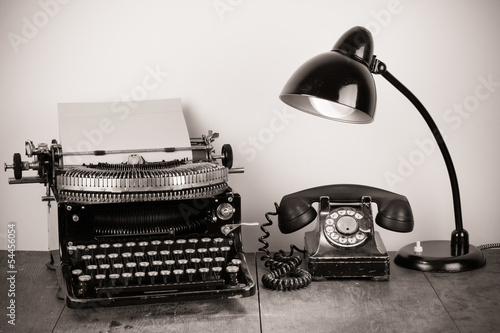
x,y
410,301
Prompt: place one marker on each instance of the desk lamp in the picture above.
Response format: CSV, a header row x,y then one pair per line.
x,y
339,85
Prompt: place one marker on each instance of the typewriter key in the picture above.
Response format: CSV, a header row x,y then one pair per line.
x,y
207,262
80,249
87,259
182,263
219,261
104,247
126,257
117,246
224,250
193,241
233,272
112,258
165,254
170,264
205,241
139,276
126,278
168,242
91,270
178,254
131,266
152,255
76,273
165,274
152,275
143,265
195,262
130,245
104,268
190,273
155,243
73,254
202,252
100,279
118,268
178,273
180,242
138,256
213,251
217,271
100,258
143,245
189,253
84,279
203,272
113,278
157,264
91,248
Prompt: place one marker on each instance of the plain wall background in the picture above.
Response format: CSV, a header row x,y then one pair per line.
x,y
228,61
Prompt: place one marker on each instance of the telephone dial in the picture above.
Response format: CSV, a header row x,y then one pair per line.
x,y
344,243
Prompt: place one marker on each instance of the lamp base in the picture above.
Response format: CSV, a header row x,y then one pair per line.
x,y
436,257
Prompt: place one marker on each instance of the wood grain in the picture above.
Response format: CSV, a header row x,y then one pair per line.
x,y
406,303
472,298
410,302
37,307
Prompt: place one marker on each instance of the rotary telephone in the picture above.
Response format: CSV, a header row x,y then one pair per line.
x,y
344,243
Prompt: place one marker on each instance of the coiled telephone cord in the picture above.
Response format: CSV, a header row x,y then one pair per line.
x,y
489,246
285,273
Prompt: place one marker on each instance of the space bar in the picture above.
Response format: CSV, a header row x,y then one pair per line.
x,y
160,287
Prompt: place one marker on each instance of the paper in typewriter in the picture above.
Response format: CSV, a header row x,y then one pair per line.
x,y
121,125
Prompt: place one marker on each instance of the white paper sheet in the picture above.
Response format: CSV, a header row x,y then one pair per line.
x,y
122,125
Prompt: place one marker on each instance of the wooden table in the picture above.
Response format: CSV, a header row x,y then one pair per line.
x,y
410,302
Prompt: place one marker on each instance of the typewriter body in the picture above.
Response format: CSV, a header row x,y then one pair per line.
x,y
143,232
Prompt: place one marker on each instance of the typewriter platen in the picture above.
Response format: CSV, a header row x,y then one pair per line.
x,y
143,232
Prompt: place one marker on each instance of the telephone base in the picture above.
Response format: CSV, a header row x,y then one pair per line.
x,y
369,261
326,268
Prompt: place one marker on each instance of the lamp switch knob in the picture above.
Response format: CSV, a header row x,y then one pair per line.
x,y
418,248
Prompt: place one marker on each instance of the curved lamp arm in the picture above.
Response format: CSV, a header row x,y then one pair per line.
x,y
459,236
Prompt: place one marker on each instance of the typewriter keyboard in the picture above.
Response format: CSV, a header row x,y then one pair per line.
x,y
153,266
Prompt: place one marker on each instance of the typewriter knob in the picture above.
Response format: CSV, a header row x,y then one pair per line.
x,y
18,166
225,211
227,156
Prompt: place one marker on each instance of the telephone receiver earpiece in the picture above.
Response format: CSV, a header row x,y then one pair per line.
x,y
296,211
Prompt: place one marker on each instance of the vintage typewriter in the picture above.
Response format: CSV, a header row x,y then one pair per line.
x,y
143,232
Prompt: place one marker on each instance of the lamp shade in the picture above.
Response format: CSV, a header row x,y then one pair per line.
x,y
337,85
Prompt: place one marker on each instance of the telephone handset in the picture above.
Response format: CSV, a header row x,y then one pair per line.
x,y
296,211
344,243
